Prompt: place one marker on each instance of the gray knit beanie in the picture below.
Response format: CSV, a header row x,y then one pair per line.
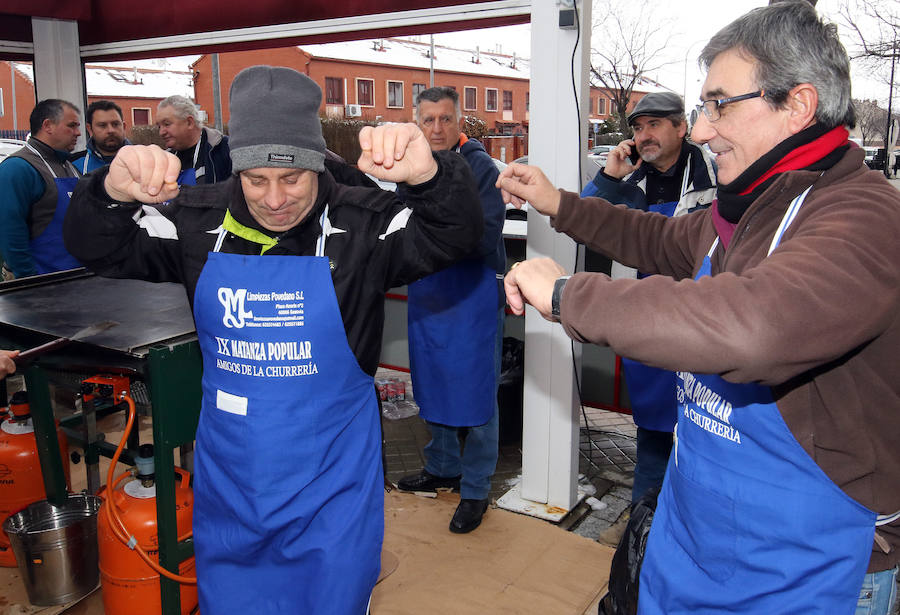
x,y
275,120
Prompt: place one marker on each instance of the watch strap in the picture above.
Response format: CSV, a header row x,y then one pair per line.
x,y
557,295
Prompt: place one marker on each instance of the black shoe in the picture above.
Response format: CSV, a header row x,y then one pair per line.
x,y
468,516
423,481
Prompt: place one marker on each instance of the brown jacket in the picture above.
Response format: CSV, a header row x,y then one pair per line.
x,y
818,321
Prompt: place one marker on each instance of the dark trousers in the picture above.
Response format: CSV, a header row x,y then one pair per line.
x,y
653,448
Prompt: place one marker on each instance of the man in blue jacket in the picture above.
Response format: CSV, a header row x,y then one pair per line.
x,y
656,170
456,336
203,151
35,185
106,136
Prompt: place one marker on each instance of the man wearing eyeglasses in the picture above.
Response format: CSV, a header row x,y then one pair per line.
x,y
456,336
781,324
673,177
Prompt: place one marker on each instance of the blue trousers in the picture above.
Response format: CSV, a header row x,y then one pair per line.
x,y
653,449
878,595
476,458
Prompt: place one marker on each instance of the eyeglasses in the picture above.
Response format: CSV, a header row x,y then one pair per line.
x,y
710,108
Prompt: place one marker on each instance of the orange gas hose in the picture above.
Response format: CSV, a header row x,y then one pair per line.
x,y
115,522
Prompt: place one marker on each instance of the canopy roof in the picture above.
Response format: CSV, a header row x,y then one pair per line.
x,y
117,29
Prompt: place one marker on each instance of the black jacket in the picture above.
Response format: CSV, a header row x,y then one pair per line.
x,y
372,246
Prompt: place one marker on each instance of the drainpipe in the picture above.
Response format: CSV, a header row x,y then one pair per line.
x,y
217,93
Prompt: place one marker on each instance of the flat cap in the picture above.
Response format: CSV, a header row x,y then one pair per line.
x,y
657,104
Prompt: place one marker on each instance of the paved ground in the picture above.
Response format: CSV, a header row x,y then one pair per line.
x,y
606,462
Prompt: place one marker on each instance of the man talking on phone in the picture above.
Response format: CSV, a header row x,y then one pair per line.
x,y
656,170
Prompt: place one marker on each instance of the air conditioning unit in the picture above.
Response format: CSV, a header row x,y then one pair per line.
x,y
353,111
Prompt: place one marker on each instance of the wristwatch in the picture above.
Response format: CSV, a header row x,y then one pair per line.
x,y
557,295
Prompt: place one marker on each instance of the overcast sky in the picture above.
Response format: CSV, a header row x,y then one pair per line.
x,y
692,24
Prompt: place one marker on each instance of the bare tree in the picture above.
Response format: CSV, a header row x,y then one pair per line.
x,y
876,25
627,41
870,119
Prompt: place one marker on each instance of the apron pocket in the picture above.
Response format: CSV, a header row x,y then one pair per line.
x,y
708,526
261,445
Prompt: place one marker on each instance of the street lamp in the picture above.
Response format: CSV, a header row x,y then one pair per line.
x,y
888,133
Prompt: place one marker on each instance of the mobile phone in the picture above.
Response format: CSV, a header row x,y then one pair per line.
x,y
634,156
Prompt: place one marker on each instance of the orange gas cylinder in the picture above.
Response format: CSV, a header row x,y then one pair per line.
x,y
130,586
21,479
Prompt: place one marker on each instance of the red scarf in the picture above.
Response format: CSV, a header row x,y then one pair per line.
x,y
805,155
798,158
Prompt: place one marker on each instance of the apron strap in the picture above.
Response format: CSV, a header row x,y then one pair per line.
x,y
230,225
686,177
84,166
67,164
320,242
46,164
789,216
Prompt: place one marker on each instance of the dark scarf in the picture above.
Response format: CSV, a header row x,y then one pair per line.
x,y
815,148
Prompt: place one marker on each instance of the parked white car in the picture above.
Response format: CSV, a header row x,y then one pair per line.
x,y
8,146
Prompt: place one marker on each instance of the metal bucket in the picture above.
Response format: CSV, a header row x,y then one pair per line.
x,y
56,548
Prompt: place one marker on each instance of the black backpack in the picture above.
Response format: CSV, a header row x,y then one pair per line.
x,y
625,571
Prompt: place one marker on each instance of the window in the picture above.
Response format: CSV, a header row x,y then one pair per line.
x,y
528,101
490,99
507,100
417,89
365,92
395,94
613,107
601,106
140,117
334,91
469,102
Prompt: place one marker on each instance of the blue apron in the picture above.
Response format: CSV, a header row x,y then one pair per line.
x,y
452,318
189,177
289,500
746,521
48,249
652,390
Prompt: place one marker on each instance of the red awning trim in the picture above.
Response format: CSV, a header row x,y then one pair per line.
x,y
53,9
487,13
117,30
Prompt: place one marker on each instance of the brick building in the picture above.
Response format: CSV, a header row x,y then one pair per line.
x,y
379,80
18,83
371,80
137,88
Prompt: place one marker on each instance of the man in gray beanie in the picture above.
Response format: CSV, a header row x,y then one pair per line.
x,y
286,271
290,101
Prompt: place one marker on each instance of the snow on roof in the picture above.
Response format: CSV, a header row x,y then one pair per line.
x,y
26,70
137,83
643,84
414,54
138,79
